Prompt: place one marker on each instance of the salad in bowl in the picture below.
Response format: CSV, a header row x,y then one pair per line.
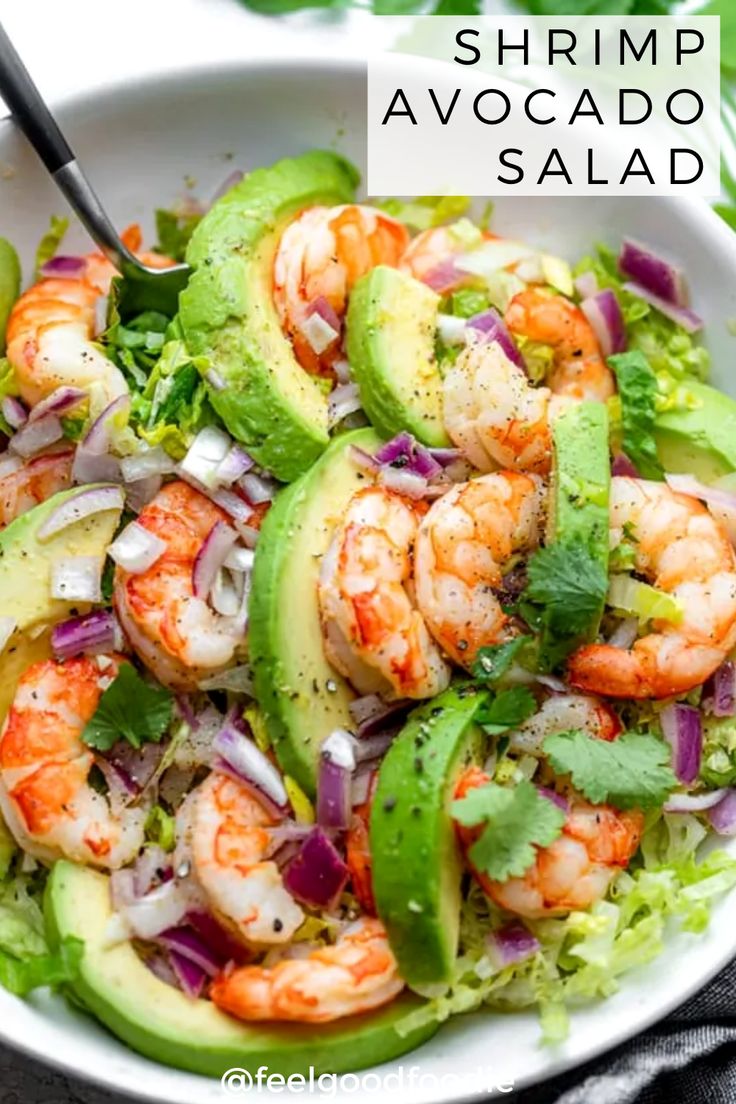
x,y
365,627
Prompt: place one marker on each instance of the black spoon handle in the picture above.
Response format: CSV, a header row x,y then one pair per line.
x,y
29,110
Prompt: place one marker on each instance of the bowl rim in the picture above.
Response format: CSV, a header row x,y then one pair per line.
x,y
707,226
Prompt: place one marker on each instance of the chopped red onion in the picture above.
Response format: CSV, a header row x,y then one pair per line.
x,y
162,908
64,268
188,944
251,765
625,633
77,579
403,482
556,798
511,944
14,412
719,692
489,326
88,501
451,329
343,400
689,485
136,549
374,747
621,465
159,965
149,461
318,875
90,634
318,332
445,277
664,280
693,803
228,183
236,464
240,559
322,306
556,685
604,314
99,437
381,714
191,978
681,316
586,285
362,785
57,403
102,304
151,866
93,467
8,625
211,557
122,888
142,491
258,488
723,815
9,464
337,763
404,453
366,708
35,436
139,765
682,729
445,457
217,938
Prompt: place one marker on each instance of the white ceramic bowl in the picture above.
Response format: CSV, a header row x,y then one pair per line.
x,y
140,143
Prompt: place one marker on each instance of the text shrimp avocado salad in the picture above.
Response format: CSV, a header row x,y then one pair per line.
x,y
365,628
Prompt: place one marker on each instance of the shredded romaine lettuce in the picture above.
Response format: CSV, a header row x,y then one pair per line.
x,y
638,599
49,244
718,765
426,211
8,386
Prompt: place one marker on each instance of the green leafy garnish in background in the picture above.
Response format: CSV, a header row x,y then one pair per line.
x,y
507,710
492,662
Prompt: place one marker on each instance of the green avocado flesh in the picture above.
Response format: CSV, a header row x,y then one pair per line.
x,y
391,326
416,862
581,484
702,441
161,1023
227,311
25,582
302,696
9,285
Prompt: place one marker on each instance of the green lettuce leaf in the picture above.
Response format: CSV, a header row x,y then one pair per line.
x,y
425,212
8,386
49,244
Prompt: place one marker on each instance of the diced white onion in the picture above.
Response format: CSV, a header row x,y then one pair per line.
x,y
136,548
451,329
344,400
224,595
338,747
9,464
207,451
341,368
35,436
403,482
318,333
149,461
257,488
101,304
8,625
77,579
240,559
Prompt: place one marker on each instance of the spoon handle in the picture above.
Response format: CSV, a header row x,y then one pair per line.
x,y
29,110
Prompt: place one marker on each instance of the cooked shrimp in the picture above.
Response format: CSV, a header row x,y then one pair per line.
x,y
321,255
373,633
462,545
26,484
684,551
45,794
230,839
560,713
51,330
573,872
429,250
580,371
493,413
353,975
177,635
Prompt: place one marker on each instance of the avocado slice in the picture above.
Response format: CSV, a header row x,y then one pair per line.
x,y
25,582
416,862
227,312
391,326
302,695
580,492
161,1023
701,441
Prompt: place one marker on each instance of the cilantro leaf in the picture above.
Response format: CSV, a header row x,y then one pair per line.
x,y
569,584
631,772
493,661
508,709
129,709
513,821
49,244
637,388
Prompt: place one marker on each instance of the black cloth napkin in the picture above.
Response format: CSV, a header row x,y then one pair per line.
x,y
689,1058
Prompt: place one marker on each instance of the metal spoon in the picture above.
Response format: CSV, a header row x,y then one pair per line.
x,y
156,288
